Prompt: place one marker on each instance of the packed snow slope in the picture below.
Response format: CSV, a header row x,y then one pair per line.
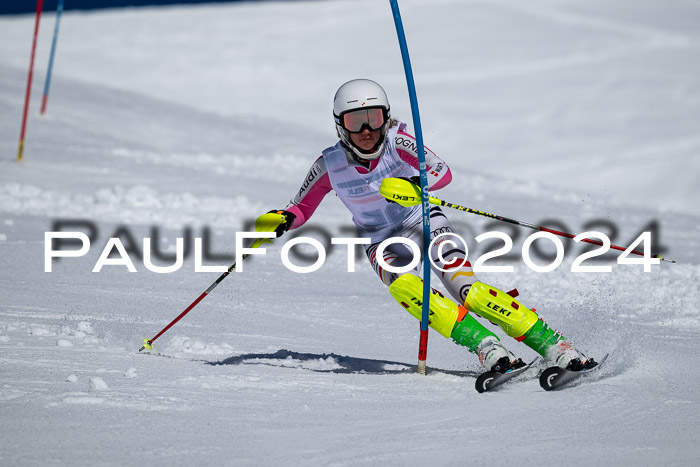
x,y
191,121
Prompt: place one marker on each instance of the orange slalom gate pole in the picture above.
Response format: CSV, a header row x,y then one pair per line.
x,y
20,151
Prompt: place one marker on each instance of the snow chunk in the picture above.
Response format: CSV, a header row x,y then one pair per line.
x,y
85,326
64,343
186,345
91,340
98,384
4,338
130,373
320,364
39,331
83,400
72,378
3,237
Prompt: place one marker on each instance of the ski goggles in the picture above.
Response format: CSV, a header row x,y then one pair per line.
x,y
356,121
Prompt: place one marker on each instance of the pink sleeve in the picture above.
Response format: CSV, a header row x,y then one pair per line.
x,y
439,174
316,186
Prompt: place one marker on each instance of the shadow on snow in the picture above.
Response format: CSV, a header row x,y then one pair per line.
x,y
340,363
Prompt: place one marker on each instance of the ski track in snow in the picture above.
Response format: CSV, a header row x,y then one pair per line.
x,y
277,368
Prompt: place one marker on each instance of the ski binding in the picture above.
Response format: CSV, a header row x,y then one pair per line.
x,y
555,377
490,379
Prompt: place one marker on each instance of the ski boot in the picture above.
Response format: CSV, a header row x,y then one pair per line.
x,y
494,357
564,355
525,326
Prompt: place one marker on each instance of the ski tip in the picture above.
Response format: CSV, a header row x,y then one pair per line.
x,y
602,360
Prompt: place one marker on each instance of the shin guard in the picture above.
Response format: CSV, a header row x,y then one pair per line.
x,y
501,309
516,320
446,317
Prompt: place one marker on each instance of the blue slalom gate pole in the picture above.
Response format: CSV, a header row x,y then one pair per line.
x,y
47,84
423,345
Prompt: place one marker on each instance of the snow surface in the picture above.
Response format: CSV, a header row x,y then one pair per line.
x,y
206,116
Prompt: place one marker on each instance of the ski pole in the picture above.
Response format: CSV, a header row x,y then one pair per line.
x,y
265,223
406,193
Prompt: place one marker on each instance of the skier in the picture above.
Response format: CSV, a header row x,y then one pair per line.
x,y
372,147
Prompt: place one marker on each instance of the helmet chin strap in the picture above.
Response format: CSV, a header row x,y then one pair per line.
x,y
362,157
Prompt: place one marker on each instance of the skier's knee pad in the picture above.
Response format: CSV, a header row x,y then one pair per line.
x,y
500,308
444,313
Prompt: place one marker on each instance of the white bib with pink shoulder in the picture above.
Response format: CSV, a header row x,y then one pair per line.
x,y
372,214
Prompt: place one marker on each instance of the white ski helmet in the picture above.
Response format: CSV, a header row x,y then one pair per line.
x,y
352,98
